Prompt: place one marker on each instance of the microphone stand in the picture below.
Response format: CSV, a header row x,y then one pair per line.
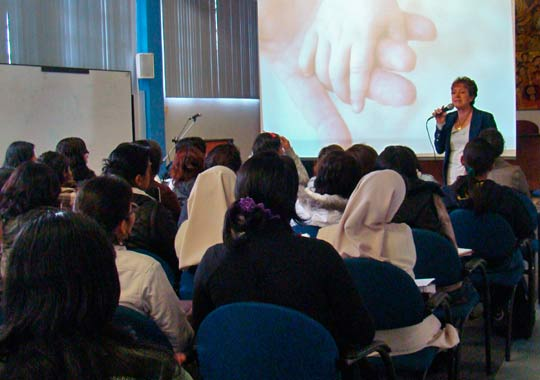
x,y
190,122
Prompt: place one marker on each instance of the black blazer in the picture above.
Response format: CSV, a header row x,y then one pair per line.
x,y
480,120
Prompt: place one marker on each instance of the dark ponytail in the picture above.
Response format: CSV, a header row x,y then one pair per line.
x,y
479,156
243,218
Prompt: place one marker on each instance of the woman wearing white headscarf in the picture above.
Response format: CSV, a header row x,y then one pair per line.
x,y
365,229
211,196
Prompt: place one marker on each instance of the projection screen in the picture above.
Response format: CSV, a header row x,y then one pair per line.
x,y
316,56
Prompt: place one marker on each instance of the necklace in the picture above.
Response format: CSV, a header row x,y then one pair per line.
x,y
461,122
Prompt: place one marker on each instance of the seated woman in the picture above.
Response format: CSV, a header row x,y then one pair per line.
x,y
423,206
74,148
476,192
154,227
18,152
317,163
366,228
60,165
225,155
61,292
160,191
272,142
262,260
503,172
210,198
365,157
32,185
188,162
323,204
143,283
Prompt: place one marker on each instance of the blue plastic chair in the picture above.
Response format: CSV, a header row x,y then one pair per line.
x,y
141,326
166,268
529,248
187,281
394,301
436,257
250,340
492,239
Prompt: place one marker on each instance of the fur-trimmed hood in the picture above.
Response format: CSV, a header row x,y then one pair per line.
x,y
319,209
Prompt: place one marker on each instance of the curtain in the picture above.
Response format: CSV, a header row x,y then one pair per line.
x,y
95,34
210,48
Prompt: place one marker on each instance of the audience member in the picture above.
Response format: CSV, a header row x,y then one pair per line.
x,y
154,227
503,172
4,175
262,260
210,198
272,142
143,284
322,152
323,204
19,152
74,148
187,164
32,185
60,165
365,157
160,191
225,155
61,292
475,191
193,141
423,206
366,228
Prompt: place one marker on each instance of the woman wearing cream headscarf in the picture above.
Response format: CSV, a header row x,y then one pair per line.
x,y
365,229
211,196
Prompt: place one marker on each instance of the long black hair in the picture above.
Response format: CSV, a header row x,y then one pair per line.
x,y
74,148
17,153
478,157
266,188
31,185
60,293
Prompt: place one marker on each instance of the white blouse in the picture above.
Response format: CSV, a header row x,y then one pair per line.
x,y
458,140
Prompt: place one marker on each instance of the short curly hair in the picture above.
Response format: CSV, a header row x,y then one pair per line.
x,y
471,86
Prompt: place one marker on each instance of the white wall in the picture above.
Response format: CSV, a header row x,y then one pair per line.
x,y
221,118
533,116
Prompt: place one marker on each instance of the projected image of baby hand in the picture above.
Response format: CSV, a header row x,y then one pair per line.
x,y
354,48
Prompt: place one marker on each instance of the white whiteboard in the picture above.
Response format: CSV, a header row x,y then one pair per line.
x,y
44,107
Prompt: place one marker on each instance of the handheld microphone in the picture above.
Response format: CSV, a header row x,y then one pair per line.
x,y
194,117
444,109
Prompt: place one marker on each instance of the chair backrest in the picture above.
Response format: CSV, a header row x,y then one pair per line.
x,y
250,340
531,208
436,257
388,292
166,268
144,328
488,235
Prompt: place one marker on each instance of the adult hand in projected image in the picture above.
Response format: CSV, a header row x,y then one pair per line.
x,y
353,47
281,35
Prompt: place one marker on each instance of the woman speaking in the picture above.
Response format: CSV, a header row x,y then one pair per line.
x,y
455,129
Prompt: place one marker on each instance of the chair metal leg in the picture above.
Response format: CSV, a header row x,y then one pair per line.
x,y
453,369
487,321
509,312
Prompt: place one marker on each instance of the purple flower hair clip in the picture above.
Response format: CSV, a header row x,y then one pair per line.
x,y
247,204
